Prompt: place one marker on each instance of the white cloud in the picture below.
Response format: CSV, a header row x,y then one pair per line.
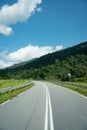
x,y
5,64
29,52
59,47
39,9
18,12
3,54
26,53
5,30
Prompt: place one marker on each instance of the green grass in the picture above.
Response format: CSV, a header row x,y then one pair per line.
x,y
81,83
9,95
80,90
11,82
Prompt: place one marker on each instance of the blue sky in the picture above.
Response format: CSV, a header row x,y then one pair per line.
x,y
31,28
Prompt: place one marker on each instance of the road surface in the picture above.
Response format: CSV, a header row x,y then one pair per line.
x,y
45,107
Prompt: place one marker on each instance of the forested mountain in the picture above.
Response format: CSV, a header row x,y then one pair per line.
x,y
53,66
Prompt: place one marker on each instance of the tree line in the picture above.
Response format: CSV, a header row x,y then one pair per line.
x,y
56,65
76,65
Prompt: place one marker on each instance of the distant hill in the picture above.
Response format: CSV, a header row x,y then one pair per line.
x,y
64,60
21,64
48,59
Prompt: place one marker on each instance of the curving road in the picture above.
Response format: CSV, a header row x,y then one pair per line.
x,y
45,107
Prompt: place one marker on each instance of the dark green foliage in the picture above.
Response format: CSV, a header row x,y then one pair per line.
x,y
53,66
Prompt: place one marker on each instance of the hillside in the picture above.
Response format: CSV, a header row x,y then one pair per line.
x,y
54,65
21,64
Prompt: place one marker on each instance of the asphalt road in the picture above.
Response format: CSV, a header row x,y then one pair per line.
x,y
45,107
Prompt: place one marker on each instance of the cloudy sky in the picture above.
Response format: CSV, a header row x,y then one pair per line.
x,y
32,28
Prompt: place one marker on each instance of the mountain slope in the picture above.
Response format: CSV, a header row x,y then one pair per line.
x,y
48,59
72,59
61,55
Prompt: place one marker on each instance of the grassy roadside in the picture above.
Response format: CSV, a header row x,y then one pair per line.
x,y
11,82
80,90
9,95
81,83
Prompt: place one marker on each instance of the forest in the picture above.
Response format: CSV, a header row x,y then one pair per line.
x,y
52,66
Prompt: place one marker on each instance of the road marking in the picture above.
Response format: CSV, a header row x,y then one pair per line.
x,y
79,94
74,92
46,112
48,109
5,102
21,94
51,115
